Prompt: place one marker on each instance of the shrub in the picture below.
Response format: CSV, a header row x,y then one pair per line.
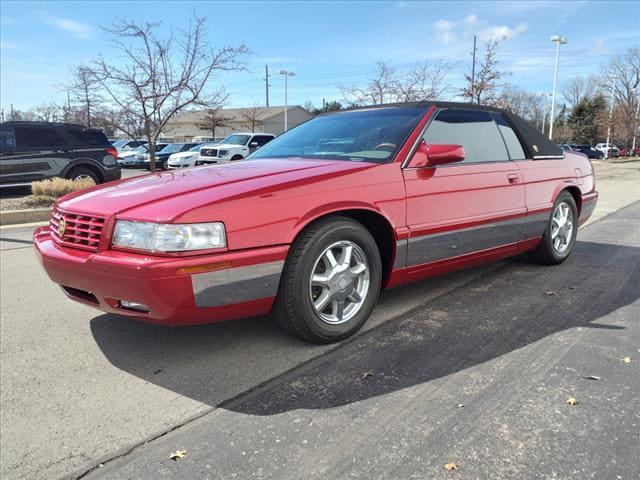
x,y
57,187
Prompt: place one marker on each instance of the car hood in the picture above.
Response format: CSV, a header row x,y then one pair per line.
x,y
225,145
130,153
183,155
168,195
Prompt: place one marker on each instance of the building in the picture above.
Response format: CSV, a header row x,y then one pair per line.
x,y
187,125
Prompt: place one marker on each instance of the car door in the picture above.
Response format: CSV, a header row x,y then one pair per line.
x,y
11,170
471,206
45,153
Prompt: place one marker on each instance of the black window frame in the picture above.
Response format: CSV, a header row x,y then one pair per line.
x,y
495,115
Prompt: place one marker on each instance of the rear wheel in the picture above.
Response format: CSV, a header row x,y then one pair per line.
x,y
560,234
237,157
331,281
83,173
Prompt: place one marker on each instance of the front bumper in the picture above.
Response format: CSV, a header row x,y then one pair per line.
x,y
214,288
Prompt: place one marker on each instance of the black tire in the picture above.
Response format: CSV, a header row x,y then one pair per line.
x,y
237,157
84,172
545,253
293,308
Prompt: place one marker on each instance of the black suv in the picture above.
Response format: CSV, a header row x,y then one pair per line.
x,y
32,151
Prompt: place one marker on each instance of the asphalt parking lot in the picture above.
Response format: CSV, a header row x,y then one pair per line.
x,y
472,368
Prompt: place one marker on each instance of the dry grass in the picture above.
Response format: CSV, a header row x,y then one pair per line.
x,y
50,190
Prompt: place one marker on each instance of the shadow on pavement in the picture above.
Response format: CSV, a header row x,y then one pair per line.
x,y
491,317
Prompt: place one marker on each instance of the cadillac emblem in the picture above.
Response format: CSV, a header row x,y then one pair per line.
x,y
62,226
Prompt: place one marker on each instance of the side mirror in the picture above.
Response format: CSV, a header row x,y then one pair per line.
x,y
436,154
253,144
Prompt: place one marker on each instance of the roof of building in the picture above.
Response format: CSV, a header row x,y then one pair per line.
x,y
233,114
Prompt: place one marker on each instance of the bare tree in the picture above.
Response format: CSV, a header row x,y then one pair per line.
x,y
252,116
157,77
528,105
422,81
309,106
577,88
47,112
484,87
626,72
419,81
213,118
83,90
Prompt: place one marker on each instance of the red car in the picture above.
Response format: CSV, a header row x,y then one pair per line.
x,y
317,221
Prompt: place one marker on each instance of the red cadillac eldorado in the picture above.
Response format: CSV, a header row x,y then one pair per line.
x,y
314,224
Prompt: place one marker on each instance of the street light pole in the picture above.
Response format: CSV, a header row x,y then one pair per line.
x,y
558,40
544,108
286,74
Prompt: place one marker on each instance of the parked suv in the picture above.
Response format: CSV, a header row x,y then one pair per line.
x,y
236,146
32,151
614,151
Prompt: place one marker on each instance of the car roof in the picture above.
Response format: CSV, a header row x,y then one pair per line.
x,y
26,123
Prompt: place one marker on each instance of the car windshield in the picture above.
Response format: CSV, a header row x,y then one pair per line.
x,y
236,139
196,148
119,143
364,135
172,148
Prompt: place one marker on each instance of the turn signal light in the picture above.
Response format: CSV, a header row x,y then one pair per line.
x,y
207,267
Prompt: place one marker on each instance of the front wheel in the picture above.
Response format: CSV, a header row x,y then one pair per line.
x,y
560,234
331,281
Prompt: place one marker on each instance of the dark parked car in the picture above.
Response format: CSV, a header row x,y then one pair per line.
x,y
162,156
32,151
588,150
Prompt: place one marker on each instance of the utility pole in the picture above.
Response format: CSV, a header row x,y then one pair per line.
x,y
613,86
286,74
12,117
68,116
558,40
324,104
473,68
266,84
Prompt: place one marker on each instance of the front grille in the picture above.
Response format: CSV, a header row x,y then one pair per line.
x,y
81,231
209,152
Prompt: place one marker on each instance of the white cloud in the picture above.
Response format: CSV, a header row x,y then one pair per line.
x,y
502,32
77,29
450,30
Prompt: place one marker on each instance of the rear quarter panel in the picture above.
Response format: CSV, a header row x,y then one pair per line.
x,y
545,179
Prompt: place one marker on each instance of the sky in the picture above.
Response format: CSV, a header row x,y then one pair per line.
x,y
326,44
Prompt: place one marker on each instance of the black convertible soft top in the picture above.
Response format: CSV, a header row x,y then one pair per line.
x,y
536,145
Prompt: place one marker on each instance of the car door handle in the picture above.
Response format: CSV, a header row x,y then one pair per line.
x,y
513,178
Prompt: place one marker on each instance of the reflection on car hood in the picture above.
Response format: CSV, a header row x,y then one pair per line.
x,y
225,145
167,195
175,156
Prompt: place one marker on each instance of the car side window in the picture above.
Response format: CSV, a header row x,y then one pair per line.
x,y
514,147
38,137
7,139
262,139
474,130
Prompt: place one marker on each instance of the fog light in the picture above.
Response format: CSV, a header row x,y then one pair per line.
x,y
138,307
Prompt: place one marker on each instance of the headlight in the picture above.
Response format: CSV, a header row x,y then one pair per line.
x,y
157,237
223,153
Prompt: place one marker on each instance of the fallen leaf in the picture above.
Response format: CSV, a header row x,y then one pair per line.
x,y
551,292
461,405
366,375
625,359
592,377
572,401
177,455
451,466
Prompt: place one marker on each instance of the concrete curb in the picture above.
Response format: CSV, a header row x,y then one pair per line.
x,y
12,217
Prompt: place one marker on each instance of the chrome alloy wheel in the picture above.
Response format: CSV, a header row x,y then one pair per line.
x,y
83,176
562,227
339,282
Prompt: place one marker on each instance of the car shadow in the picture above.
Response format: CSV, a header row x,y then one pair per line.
x,y
499,313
